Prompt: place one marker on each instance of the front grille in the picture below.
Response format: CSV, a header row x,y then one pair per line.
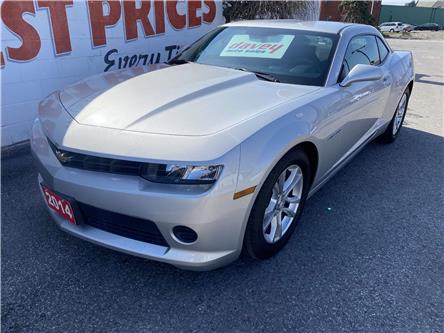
x,y
95,163
122,225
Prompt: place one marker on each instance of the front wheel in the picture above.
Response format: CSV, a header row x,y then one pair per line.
x,y
392,131
278,206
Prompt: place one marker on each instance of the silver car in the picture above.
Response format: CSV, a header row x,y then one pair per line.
x,y
392,27
217,151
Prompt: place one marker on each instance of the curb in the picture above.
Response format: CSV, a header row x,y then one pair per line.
x,y
16,149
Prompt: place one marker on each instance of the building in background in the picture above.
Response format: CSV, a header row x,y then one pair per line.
x,y
413,15
430,4
329,10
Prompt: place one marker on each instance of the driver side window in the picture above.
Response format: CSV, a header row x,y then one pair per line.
x,y
360,50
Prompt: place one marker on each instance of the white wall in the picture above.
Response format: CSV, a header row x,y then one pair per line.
x,y
25,82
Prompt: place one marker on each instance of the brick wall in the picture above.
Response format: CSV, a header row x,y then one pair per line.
x,y
330,10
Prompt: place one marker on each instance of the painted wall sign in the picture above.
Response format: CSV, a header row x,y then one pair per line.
x,y
47,45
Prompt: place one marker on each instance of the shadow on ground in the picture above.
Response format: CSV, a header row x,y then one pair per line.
x,y
420,78
367,256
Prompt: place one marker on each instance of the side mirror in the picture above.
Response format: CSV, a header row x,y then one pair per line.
x,y
361,73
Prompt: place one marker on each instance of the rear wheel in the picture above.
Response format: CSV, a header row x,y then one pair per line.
x,y
392,131
278,206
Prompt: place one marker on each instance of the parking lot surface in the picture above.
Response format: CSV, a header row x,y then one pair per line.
x,y
366,257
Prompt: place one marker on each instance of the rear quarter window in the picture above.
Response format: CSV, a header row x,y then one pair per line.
x,y
383,51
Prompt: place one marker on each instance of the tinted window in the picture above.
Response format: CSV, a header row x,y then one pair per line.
x,y
291,56
383,51
360,50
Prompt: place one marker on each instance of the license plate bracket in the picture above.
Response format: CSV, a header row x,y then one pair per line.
x,y
62,205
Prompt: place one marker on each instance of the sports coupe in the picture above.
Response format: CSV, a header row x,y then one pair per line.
x,y
216,151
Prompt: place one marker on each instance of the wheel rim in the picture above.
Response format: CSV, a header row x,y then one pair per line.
x,y
283,205
399,116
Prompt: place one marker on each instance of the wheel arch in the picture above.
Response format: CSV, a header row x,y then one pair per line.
x,y
306,146
313,155
261,152
410,86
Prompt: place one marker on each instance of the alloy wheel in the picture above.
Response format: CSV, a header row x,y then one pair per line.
x,y
399,116
283,205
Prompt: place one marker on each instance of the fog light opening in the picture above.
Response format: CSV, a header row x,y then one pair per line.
x,y
184,234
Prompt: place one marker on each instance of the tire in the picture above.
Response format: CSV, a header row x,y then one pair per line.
x,y
391,30
391,133
257,239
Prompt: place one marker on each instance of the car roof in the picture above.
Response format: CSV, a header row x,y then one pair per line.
x,y
318,26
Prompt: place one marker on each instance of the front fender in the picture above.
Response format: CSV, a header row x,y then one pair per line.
x,y
262,150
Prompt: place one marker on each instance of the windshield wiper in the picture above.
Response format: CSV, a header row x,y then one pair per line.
x,y
178,62
260,75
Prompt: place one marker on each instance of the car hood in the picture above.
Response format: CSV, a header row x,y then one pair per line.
x,y
184,100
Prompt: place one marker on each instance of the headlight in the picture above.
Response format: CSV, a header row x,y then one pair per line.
x,y
181,174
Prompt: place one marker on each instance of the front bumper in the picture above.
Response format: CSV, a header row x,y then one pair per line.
x,y
218,220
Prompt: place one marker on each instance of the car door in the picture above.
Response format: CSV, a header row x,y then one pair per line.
x,y
355,110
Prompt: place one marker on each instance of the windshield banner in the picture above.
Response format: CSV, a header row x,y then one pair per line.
x,y
243,46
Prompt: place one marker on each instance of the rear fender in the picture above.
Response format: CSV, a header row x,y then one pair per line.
x,y
402,70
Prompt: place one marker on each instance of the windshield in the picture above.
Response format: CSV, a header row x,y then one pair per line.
x,y
289,56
